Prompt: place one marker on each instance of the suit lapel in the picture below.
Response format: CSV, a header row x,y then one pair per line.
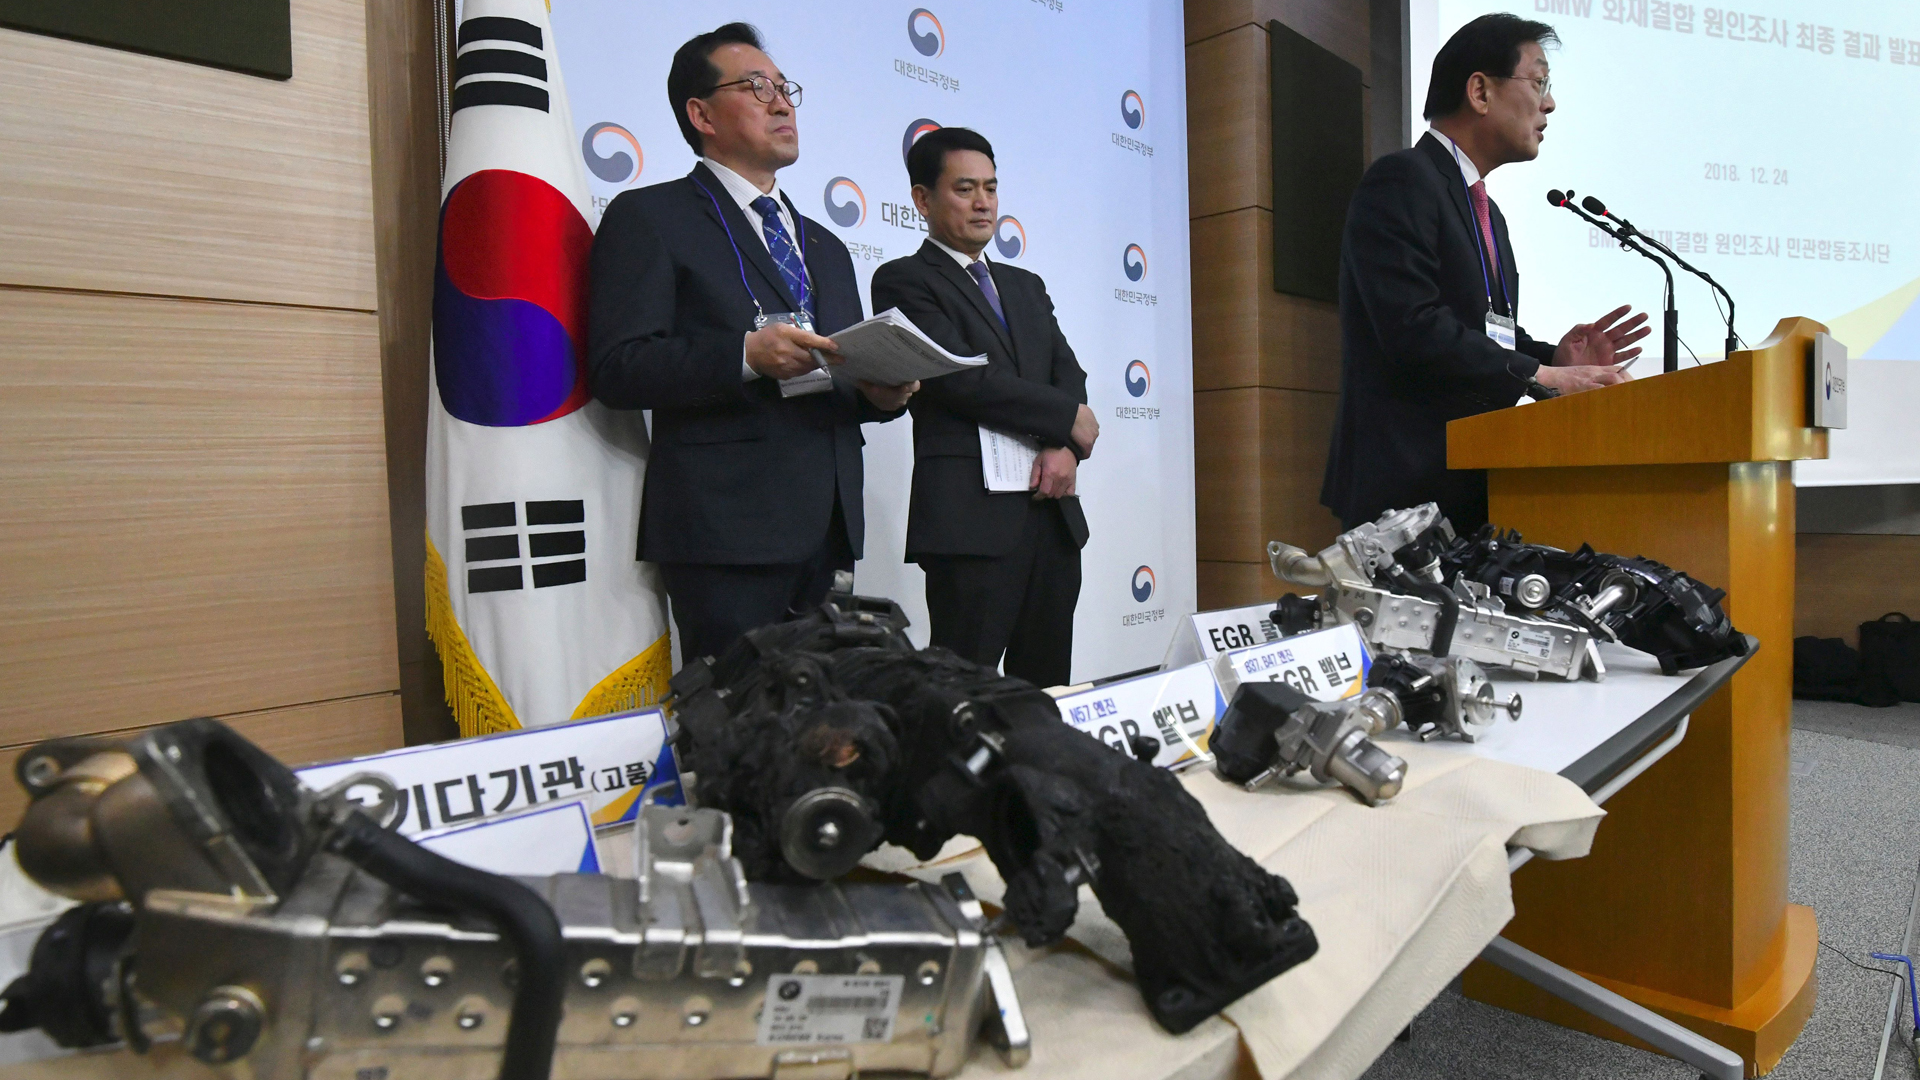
x,y
969,288
744,236
1508,275
1014,302
1456,183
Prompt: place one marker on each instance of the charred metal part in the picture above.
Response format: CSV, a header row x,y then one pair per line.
x,y
1442,696
1271,728
949,747
62,991
1426,605
373,956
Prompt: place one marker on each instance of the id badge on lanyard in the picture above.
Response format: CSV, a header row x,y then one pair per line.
x,y
819,380
1501,330
813,382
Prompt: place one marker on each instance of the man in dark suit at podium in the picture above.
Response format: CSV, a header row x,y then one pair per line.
x,y
1429,291
710,294
1003,568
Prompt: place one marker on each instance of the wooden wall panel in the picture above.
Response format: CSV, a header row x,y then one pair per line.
x,y
1229,126
1244,333
1227,453
193,511
1266,367
1296,427
406,187
1237,584
1845,579
1263,452
1340,26
131,173
296,734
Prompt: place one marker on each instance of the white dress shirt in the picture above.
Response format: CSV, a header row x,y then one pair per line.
x,y
960,257
744,193
1467,167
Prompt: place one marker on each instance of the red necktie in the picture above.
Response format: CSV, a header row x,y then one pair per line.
x,y
1485,220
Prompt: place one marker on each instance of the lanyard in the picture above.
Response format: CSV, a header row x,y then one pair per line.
x,y
740,261
1478,246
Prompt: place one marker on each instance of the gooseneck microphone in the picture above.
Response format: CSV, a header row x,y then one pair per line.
x,y
1594,205
1629,241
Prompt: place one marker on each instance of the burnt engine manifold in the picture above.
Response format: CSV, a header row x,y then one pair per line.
x,y
825,735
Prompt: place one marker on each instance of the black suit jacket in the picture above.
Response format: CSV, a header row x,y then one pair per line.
x,y
1413,347
1032,385
738,474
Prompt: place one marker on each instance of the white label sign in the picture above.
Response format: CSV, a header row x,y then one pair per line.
x,y
1164,705
1534,643
1326,665
1206,634
553,839
811,1010
608,761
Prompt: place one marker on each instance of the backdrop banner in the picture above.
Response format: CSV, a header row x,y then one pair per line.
x,y
1085,104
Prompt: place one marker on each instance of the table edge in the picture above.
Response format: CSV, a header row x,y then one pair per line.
x,y
1610,758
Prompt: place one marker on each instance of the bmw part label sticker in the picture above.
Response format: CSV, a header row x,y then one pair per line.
x,y
814,1010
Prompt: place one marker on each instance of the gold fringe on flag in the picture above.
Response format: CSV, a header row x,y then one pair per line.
x,y
478,706
636,684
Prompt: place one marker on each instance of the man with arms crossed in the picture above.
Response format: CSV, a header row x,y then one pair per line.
x,y
1003,568
1428,289
709,293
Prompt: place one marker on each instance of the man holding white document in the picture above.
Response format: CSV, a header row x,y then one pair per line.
x,y
994,520
711,294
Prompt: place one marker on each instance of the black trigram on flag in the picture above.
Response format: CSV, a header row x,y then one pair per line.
x,y
494,558
493,53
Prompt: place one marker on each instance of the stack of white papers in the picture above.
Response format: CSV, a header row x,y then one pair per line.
x,y
889,350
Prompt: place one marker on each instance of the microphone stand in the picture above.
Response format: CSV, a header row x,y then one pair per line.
x,y
1732,339
1671,338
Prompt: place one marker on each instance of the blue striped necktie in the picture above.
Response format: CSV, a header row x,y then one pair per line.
x,y
780,246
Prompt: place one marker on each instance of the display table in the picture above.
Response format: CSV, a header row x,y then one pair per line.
x,y
1402,896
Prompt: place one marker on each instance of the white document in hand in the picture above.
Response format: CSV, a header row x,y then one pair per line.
x,y
889,350
1006,461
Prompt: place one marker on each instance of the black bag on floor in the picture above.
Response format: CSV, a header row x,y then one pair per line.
x,y
1825,669
1890,655
1828,669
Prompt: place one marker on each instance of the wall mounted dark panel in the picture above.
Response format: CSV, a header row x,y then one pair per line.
x,y
250,36
1318,155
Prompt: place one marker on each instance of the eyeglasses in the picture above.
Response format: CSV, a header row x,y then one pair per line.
x,y
764,89
1544,83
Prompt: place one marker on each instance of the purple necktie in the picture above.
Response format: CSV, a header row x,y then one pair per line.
x,y
978,268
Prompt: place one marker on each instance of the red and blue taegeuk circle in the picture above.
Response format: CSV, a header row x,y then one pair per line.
x,y
510,301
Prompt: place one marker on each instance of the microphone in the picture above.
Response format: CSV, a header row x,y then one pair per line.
x,y
1629,238
1596,206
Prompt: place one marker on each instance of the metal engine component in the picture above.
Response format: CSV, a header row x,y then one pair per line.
x,y
1442,696
1270,728
688,971
1636,602
1387,577
838,709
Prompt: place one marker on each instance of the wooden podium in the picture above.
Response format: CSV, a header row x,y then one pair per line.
x,y
1682,906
